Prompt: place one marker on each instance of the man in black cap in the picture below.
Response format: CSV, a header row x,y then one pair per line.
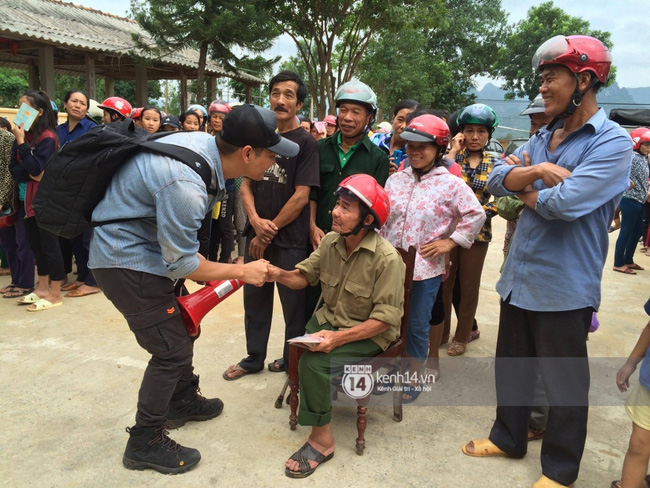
x,y
157,204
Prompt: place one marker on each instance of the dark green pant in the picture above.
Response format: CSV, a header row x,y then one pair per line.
x,y
316,370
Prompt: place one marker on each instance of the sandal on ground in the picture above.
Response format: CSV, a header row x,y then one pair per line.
x,y
475,335
7,288
27,299
634,266
77,292
483,448
17,292
71,286
624,270
535,434
457,348
43,304
235,372
303,455
617,483
545,482
412,391
276,366
430,375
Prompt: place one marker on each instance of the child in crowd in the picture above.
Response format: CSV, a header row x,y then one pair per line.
x,y
170,123
190,120
151,119
635,466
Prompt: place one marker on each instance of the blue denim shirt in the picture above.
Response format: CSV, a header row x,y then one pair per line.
x,y
558,251
171,201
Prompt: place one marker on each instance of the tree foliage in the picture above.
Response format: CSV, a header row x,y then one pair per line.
x,y
435,63
318,27
214,27
257,66
542,23
13,82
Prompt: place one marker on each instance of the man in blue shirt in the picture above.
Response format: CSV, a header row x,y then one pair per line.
x,y
159,204
571,176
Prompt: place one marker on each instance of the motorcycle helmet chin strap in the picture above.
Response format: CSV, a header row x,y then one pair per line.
x,y
576,100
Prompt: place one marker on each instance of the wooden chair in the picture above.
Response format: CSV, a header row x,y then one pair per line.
x,y
391,356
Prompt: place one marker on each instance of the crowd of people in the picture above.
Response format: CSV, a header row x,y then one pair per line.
x,y
319,207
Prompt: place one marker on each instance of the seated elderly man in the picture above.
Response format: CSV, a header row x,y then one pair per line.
x,y
362,277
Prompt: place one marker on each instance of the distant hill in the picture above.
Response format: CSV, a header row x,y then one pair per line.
x,y
640,95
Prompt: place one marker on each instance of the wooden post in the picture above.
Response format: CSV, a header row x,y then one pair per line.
x,y
46,69
249,94
33,76
90,77
212,89
141,98
183,96
109,87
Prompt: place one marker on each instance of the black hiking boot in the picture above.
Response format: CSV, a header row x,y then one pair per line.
x,y
193,406
151,448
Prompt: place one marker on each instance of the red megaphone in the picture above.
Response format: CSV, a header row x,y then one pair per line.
x,y
195,306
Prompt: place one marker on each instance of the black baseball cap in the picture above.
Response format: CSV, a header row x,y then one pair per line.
x,y
250,125
172,121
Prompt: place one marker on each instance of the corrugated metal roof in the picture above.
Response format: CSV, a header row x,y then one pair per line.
x,y
83,28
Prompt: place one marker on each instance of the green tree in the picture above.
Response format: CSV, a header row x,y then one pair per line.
x,y
213,27
542,23
435,63
13,82
260,67
332,36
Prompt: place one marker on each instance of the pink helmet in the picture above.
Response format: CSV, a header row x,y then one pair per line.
x,y
118,105
218,106
330,119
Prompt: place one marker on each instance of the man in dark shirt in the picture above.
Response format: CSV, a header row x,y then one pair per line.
x,y
278,230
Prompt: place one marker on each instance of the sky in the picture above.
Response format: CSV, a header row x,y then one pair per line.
x,y
626,20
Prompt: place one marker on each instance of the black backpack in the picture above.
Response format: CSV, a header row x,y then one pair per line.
x,y
76,176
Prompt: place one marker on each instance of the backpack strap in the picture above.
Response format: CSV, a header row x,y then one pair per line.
x,y
185,156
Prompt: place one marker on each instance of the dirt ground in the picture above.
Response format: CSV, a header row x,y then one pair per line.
x,y
71,376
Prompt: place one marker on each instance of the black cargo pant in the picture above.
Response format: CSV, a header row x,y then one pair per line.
x,y
150,308
553,343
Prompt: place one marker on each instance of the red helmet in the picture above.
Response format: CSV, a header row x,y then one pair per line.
x,y
136,113
639,136
427,128
366,188
217,106
578,53
118,105
330,119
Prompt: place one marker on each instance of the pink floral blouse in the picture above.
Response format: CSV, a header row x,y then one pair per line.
x,y
439,206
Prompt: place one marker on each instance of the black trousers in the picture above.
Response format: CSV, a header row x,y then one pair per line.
x,y
258,308
47,252
150,308
221,231
558,342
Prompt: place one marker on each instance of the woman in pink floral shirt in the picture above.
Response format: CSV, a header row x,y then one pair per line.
x,y
433,211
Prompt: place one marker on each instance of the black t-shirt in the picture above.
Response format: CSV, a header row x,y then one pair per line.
x,y
279,184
